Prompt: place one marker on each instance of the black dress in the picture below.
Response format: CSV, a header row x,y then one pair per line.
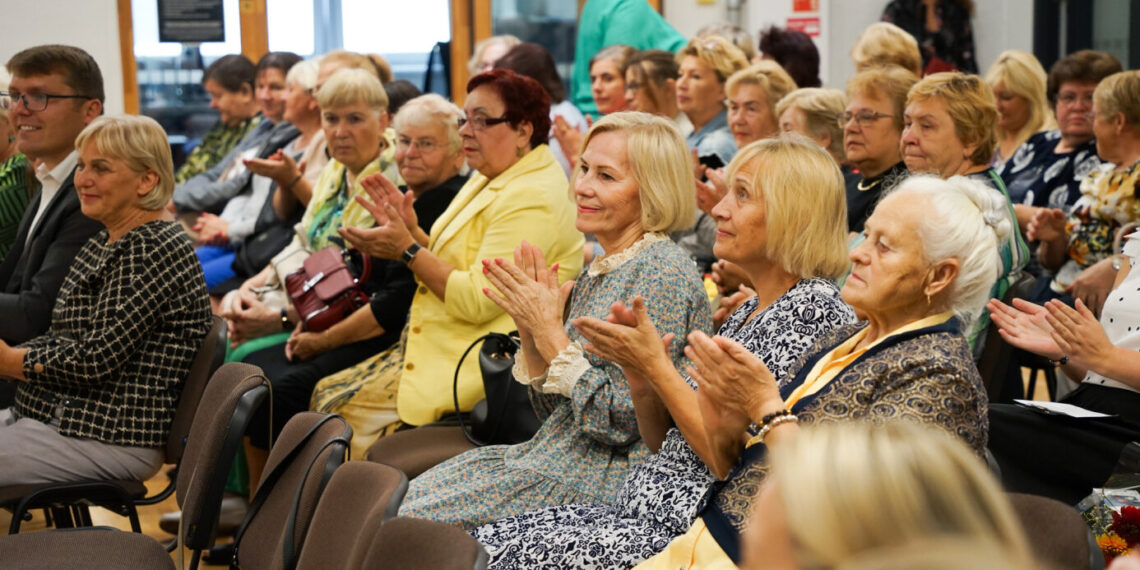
x,y
952,46
864,193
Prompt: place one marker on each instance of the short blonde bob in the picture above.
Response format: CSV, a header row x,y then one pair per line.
x,y
821,108
1022,74
970,103
349,86
141,143
805,204
1120,93
857,487
767,75
884,43
718,53
661,164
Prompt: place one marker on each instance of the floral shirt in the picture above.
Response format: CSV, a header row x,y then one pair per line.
x,y
1109,199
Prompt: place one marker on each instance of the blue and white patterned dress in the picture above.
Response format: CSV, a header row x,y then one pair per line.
x,y
663,495
589,436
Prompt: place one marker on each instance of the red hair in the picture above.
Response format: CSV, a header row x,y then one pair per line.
x,y
524,98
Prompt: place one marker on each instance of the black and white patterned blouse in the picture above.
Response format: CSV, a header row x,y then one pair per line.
x,y
1037,175
126,324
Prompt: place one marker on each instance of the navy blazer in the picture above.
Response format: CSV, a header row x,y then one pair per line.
x,y
33,271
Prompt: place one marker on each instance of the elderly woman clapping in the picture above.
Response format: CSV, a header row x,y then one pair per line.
x,y
633,183
926,267
97,392
783,224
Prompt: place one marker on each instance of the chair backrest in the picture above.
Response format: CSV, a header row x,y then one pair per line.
x,y
996,359
414,544
361,495
311,446
202,368
1057,533
225,410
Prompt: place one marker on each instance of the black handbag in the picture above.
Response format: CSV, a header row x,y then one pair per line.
x,y
506,416
254,254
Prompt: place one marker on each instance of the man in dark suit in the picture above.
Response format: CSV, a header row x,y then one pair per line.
x,y
55,92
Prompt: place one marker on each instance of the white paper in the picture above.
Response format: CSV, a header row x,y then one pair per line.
x,y
1062,409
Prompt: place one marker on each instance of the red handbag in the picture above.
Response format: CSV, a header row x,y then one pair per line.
x,y
324,290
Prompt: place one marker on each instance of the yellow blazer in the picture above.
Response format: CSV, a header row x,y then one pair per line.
x,y
487,219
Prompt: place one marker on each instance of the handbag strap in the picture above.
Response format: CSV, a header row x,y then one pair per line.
x,y
290,554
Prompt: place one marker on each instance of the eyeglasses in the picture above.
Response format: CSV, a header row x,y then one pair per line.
x,y
1069,98
479,123
425,146
34,102
862,118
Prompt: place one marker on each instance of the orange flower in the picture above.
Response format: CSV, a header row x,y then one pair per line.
x,y
1111,546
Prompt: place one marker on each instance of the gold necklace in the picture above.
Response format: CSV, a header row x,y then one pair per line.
x,y
863,188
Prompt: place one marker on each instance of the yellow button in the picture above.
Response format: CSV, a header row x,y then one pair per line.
x,y
39,368
410,366
423,290
416,330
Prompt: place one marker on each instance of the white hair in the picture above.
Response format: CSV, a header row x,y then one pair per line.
x,y
968,221
304,74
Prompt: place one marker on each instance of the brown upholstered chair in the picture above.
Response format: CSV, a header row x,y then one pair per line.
x,y
361,495
415,544
312,445
416,450
67,503
1057,533
227,405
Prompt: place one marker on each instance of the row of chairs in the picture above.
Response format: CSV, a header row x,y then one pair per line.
x,y
311,510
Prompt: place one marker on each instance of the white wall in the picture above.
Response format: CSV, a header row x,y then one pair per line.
x,y
998,26
89,24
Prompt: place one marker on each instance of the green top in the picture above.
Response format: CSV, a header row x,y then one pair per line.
x,y
16,188
215,145
604,23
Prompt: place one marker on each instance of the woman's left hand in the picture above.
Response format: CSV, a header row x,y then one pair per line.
x,y
529,292
388,239
734,379
304,345
1078,334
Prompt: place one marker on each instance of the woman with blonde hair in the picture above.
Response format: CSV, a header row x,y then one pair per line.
x,y
96,393
705,65
488,51
634,184
1018,82
814,113
840,493
783,225
883,44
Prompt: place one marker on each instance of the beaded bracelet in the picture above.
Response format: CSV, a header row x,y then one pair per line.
x,y
768,418
775,422
1063,361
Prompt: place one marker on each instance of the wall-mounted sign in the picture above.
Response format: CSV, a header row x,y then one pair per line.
x,y
191,21
805,5
809,26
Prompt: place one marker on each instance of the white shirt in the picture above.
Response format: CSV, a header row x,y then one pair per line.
x,y
50,181
1121,313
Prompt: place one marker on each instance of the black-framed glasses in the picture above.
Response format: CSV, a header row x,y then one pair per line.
x,y
863,118
479,123
34,102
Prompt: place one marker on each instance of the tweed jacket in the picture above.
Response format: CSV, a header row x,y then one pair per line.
x,y
127,322
925,375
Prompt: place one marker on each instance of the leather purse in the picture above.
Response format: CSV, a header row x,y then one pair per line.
x,y
325,289
505,416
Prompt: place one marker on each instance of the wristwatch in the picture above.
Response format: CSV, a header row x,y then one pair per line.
x,y
410,253
285,324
